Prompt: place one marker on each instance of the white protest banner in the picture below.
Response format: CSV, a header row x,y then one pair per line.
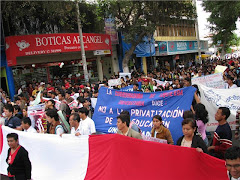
x,y
73,104
162,83
51,156
213,80
93,102
220,69
124,75
114,82
215,98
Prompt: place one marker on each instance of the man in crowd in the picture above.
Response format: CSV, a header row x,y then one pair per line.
x,y
63,106
222,139
26,125
68,97
232,157
11,121
123,121
87,125
74,121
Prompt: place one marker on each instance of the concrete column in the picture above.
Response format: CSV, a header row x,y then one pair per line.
x,y
115,64
144,64
99,68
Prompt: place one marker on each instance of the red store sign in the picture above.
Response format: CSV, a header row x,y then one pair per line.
x,y
30,45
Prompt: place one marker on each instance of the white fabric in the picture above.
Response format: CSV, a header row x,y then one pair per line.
x,y
30,129
214,98
52,157
213,80
93,102
87,126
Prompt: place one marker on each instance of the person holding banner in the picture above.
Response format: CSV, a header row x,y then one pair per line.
x,y
232,157
123,121
222,139
159,131
189,138
19,165
201,116
53,119
87,125
74,120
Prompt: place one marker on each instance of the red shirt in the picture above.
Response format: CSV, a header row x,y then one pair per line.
x,y
11,158
50,89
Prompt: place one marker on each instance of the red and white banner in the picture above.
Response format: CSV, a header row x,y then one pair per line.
x,y
109,157
38,44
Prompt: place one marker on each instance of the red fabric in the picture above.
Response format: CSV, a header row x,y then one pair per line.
x,y
119,157
11,158
50,89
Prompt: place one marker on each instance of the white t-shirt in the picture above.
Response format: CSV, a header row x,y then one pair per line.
x,y
232,87
87,126
74,131
30,129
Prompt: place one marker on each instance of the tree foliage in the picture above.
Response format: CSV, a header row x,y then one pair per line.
x,y
223,18
136,19
39,17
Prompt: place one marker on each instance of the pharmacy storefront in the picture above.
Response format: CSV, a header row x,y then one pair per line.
x,y
46,56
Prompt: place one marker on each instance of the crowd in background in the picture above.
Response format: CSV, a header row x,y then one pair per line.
x,y
68,90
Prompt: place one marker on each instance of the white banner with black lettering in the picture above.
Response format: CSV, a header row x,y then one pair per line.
x,y
214,98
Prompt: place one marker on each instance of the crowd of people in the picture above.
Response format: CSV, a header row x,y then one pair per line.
x,y
15,113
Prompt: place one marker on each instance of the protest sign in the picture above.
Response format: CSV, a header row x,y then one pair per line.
x,y
127,88
162,83
170,105
220,69
213,80
93,102
215,98
37,115
114,82
124,75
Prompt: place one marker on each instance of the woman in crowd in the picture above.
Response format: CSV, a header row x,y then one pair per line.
x,y
53,119
189,138
201,116
159,131
19,165
24,112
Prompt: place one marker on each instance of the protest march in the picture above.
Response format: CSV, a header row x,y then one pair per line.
x,y
65,130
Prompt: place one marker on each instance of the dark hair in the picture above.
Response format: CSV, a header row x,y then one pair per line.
x,y
188,114
9,107
201,113
84,110
27,120
125,112
232,153
225,111
69,91
191,121
12,135
16,107
124,118
157,117
76,117
52,113
53,102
